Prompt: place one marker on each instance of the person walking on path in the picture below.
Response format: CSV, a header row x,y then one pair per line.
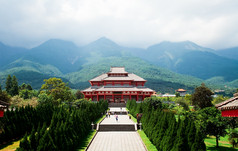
x,y
109,114
117,118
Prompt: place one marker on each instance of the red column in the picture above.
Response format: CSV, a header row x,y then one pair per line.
x,y
113,97
137,97
104,96
97,97
91,97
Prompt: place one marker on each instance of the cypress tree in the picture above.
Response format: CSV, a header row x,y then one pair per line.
x,y
191,134
9,84
24,144
198,144
181,141
33,143
170,135
15,88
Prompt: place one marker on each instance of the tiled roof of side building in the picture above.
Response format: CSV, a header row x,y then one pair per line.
x,y
117,70
181,90
231,103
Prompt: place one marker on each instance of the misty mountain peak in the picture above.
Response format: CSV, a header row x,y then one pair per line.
x,y
104,41
55,42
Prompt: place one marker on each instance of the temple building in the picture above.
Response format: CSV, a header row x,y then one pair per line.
x,y
229,108
117,86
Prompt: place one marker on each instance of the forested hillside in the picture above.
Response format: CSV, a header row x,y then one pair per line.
x,y
157,78
157,64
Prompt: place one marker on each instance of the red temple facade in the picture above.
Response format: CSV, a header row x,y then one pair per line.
x,y
229,108
117,86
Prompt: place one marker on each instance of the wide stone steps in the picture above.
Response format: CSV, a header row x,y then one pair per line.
x,y
117,127
117,105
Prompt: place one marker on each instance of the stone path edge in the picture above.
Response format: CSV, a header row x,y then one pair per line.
x,y
94,137
142,141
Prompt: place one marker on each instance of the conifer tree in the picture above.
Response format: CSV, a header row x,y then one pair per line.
x,y
191,134
24,144
14,89
170,135
33,143
198,144
9,84
202,97
181,139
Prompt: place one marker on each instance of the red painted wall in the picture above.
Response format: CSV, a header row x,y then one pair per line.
x,y
229,113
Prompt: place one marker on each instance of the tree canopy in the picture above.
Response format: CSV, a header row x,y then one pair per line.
x,y
202,97
57,89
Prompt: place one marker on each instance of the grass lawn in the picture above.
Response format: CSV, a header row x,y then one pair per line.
x,y
10,146
147,142
223,144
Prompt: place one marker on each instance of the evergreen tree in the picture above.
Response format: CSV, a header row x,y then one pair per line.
x,y
202,97
170,135
24,144
181,143
198,144
9,84
33,143
15,88
191,134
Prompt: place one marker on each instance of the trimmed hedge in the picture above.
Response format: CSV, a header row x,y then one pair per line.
x,y
163,130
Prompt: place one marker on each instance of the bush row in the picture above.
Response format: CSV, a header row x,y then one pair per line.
x,y
163,130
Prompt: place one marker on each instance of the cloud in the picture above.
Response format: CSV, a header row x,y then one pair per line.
x,y
138,23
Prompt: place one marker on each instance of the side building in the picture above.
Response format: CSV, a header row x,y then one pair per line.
x,y
117,86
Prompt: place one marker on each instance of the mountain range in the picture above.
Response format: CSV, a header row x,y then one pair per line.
x,y
166,66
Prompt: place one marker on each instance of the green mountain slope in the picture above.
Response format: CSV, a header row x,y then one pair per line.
x,y
62,54
158,79
9,54
31,66
79,64
231,53
102,48
206,65
167,54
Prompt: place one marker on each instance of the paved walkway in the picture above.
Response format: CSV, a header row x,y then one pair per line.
x,y
122,119
117,141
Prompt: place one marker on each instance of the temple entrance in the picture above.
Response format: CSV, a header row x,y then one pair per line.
x,y
117,99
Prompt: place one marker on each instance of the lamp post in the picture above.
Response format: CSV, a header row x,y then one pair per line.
x,y
140,126
92,126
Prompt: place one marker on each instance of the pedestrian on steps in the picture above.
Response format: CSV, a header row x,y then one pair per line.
x,y
117,118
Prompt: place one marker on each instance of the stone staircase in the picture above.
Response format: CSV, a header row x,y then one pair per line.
x,y
117,127
118,112
117,105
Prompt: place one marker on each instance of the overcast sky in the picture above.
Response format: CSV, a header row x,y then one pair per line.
x,y
138,23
